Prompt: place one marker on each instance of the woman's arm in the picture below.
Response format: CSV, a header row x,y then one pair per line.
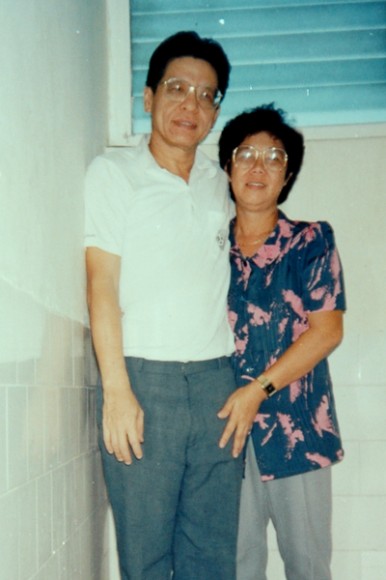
x,y
122,414
324,333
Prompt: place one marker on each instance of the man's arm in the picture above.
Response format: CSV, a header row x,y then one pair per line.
x,y
324,334
123,417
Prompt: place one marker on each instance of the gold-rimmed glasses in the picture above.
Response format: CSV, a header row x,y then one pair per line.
x,y
178,89
274,158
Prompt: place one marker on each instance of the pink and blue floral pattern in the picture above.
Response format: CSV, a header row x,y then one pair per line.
x,y
295,272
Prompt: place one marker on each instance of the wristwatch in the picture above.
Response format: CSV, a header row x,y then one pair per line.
x,y
268,388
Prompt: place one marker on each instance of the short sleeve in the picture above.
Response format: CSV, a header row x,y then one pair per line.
x,y
322,275
106,197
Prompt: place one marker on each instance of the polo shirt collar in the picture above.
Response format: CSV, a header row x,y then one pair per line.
x,y
202,162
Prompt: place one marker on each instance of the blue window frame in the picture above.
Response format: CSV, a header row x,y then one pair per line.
x,y
324,62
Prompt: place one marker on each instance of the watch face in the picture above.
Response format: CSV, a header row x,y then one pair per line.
x,y
270,390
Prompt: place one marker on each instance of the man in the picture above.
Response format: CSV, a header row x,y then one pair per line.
x,y
158,275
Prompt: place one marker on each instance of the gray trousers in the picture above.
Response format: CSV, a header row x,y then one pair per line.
x,y
176,510
300,510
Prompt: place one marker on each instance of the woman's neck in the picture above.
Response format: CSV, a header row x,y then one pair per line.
x,y
251,230
252,224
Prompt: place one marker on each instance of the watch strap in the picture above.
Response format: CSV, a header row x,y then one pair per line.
x,y
268,388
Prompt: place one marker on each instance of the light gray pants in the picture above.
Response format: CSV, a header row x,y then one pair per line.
x,y
300,509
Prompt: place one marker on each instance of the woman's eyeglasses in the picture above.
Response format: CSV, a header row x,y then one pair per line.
x,y
274,158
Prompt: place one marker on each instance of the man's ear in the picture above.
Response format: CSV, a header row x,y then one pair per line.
x,y
148,96
216,114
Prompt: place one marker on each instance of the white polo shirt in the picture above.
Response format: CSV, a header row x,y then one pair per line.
x,y
172,238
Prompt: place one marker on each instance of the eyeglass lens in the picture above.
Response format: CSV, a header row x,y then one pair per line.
x,y
178,90
272,157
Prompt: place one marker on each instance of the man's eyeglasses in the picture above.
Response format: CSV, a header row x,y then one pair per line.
x,y
274,158
178,89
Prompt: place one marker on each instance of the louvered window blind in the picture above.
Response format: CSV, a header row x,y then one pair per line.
x,y
323,62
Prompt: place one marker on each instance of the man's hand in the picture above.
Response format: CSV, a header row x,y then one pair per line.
x,y
123,424
240,409
123,417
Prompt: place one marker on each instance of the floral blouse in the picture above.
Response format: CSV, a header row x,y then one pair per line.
x,y
296,271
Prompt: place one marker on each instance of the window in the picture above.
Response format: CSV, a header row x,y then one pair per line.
x,y
322,61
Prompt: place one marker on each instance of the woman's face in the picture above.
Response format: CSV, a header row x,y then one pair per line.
x,y
257,183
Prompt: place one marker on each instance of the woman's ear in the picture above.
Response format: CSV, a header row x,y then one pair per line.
x,y
228,169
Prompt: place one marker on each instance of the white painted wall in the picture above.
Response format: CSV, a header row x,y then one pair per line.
x,y
52,122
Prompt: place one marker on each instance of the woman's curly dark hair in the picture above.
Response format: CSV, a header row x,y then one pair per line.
x,y
268,119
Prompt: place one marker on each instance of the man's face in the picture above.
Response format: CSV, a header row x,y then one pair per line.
x,y
182,124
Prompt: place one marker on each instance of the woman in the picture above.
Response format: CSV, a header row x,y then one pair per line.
x,y
286,306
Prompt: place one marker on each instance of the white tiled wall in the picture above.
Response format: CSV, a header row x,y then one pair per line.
x,y
52,498
53,121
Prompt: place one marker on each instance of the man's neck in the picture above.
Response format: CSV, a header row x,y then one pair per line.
x,y
175,159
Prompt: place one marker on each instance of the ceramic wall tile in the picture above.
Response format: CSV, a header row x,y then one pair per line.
x,y
45,521
373,565
28,531
3,441
9,536
17,436
346,476
359,523
372,470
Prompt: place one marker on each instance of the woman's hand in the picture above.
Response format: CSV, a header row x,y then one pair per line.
x,y
240,409
324,333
